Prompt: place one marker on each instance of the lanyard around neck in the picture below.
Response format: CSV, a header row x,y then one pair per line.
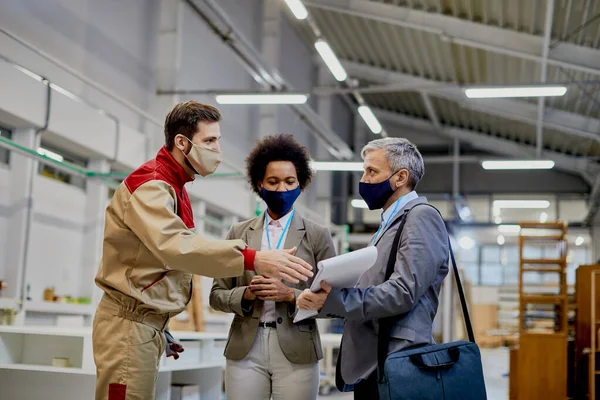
x,y
382,226
287,226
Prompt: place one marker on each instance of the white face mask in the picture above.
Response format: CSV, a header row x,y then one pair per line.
x,y
203,159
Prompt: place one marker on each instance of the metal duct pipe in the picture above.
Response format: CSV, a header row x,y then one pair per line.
x,y
266,75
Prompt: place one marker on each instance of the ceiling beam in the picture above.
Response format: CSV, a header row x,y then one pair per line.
x,y
472,34
539,126
492,144
518,110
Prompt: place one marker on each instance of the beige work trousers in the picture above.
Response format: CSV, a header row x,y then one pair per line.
x,y
266,372
127,354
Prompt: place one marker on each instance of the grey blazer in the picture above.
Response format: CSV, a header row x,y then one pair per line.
x,y
300,343
411,292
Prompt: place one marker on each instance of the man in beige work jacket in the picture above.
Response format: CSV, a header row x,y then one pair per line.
x,y
150,252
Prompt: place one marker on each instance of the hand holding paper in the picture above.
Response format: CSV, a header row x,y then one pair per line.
x,y
338,272
312,301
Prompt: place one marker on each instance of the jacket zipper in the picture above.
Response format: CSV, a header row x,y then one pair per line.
x,y
160,278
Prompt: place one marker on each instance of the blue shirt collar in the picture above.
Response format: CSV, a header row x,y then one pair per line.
x,y
397,206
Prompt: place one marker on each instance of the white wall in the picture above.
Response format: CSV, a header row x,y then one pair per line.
x,y
111,42
55,242
4,201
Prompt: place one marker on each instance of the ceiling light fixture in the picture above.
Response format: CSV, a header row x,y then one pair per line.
x,y
543,217
517,164
337,166
262,98
331,60
297,8
498,204
579,241
516,91
370,119
500,240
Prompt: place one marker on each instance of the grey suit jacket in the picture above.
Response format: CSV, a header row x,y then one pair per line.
x,y
300,343
411,292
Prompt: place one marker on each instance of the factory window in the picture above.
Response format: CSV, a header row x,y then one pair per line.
x,y
56,173
4,153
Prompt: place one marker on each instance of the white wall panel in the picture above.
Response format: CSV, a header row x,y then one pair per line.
x,y
4,200
22,98
132,147
81,125
55,242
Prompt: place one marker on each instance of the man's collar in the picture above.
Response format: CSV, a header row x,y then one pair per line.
x,y
175,170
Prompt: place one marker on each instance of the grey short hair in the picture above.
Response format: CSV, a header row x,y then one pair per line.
x,y
401,154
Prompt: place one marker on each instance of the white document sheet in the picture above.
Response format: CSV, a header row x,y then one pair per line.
x,y
340,272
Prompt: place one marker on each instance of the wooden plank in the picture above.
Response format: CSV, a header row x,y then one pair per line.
x,y
542,366
544,261
543,225
513,374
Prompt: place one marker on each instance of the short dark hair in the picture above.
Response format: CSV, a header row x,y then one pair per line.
x,y
281,147
183,120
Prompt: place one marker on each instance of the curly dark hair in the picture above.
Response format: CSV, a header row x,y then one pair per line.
x,y
281,147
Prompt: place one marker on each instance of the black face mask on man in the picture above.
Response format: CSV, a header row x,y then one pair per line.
x,y
376,194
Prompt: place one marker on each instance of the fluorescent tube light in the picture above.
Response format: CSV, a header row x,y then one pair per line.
x,y
297,8
498,204
517,91
261,98
337,166
500,240
509,228
50,154
516,164
358,203
331,60
370,119
579,241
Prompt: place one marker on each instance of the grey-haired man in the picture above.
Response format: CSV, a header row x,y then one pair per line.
x,y
392,169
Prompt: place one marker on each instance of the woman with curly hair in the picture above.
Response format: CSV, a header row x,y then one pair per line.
x,y
267,354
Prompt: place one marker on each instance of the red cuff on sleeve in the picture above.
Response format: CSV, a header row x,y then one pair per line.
x,y
249,256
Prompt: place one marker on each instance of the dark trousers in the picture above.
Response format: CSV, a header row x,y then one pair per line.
x,y
367,389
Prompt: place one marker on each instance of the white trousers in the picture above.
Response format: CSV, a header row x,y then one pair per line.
x,y
265,372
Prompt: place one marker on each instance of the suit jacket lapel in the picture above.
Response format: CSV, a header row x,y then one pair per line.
x,y
295,233
399,213
255,233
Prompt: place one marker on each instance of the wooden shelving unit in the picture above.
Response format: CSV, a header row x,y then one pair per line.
x,y
543,315
594,326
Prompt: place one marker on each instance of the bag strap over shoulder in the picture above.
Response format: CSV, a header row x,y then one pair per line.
x,y
386,324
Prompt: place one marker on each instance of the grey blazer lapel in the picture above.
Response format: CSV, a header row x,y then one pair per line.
x,y
295,233
255,233
399,213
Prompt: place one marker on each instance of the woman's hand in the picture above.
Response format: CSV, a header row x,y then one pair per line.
x,y
271,289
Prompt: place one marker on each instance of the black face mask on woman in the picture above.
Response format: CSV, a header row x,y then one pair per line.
x,y
280,202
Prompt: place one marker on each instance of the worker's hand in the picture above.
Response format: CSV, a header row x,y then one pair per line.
x,y
173,346
282,264
271,289
313,301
